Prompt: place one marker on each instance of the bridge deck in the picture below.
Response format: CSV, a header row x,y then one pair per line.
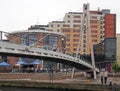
x,y
10,49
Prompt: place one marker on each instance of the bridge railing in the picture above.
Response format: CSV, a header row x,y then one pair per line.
x,y
20,49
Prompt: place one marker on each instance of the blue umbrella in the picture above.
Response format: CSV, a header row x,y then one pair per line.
x,y
21,61
36,62
4,64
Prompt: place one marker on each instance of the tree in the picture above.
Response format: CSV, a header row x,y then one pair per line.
x,y
116,67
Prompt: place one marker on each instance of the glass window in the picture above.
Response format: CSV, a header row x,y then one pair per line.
x,y
58,25
84,50
68,16
58,30
68,21
28,39
51,25
84,45
84,41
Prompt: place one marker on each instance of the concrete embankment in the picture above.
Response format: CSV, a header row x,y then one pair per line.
x,y
55,85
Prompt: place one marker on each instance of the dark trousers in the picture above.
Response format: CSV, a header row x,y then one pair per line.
x,y
102,78
105,78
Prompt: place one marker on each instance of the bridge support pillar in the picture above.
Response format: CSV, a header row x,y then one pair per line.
x,y
73,72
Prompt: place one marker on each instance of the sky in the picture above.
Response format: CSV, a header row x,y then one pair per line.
x,y
20,14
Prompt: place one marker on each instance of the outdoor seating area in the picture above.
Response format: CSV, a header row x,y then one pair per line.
x,y
21,66
4,67
24,67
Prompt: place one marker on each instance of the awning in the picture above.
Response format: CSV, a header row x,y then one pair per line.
x,y
21,61
4,64
36,62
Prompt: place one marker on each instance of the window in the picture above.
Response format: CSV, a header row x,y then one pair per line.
x,y
65,30
94,26
101,27
84,41
84,50
75,35
74,49
84,31
94,40
84,36
101,22
51,41
101,36
76,25
77,16
68,16
101,18
65,25
94,36
94,17
51,25
76,31
101,32
84,45
58,25
58,30
94,31
28,39
93,21
76,21
68,21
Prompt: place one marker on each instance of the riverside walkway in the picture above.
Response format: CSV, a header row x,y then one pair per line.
x,y
78,84
68,84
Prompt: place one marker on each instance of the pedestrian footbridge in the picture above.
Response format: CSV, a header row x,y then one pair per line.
x,y
11,49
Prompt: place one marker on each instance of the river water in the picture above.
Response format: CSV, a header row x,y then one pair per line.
x,y
22,89
28,89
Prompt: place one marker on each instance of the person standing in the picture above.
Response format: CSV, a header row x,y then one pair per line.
x,y
105,76
101,77
50,72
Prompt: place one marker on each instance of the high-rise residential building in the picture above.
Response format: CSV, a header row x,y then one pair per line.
x,y
102,25
96,27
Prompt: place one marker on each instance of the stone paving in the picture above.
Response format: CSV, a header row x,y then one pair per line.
x,y
115,80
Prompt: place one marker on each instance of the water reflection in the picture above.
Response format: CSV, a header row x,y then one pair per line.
x,y
28,89
22,89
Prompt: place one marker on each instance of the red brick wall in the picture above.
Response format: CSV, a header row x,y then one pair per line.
x,y
110,25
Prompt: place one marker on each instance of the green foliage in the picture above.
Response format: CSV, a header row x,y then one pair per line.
x,y
116,67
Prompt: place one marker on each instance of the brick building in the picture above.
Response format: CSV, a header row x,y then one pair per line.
x,y
102,25
40,38
103,30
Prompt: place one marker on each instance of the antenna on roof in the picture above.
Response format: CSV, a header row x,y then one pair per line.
x,y
98,8
37,20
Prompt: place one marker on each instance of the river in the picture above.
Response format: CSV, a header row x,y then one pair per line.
x,y
22,89
29,89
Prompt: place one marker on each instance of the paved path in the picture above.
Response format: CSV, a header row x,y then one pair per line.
x,y
89,81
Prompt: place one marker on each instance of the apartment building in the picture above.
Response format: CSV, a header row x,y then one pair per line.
x,y
89,27
102,25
